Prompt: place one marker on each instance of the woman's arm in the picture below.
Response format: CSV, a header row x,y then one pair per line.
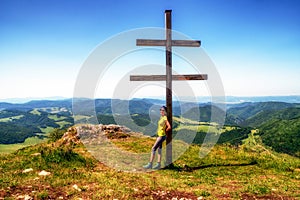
x,y
168,126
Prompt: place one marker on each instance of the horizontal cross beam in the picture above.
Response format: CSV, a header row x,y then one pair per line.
x,y
163,77
178,43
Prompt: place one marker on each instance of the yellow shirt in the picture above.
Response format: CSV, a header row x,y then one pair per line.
x,y
161,126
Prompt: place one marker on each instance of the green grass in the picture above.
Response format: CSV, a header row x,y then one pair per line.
x,y
35,112
62,123
9,148
81,117
58,120
226,172
204,127
9,119
196,126
47,130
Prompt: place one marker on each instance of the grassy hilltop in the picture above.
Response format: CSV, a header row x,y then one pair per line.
x,y
247,171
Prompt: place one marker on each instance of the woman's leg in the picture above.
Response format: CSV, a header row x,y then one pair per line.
x,y
158,146
152,156
159,153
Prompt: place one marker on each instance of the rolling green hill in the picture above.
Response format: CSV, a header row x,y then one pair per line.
x,y
273,119
203,113
279,129
283,135
11,133
264,116
16,126
240,113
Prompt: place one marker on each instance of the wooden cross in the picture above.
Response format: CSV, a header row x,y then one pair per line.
x,y
168,43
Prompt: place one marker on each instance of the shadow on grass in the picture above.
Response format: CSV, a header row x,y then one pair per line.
x,y
187,168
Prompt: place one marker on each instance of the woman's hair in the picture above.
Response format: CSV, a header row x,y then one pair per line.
x,y
164,107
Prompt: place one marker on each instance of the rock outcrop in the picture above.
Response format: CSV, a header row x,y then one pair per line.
x,y
75,135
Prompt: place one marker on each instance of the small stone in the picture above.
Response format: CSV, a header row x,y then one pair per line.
x,y
76,188
27,197
36,154
27,170
44,173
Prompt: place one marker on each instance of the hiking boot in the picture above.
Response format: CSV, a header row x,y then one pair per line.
x,y
157,166
148,166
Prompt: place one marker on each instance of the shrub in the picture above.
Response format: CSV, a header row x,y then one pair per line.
x,y
56,134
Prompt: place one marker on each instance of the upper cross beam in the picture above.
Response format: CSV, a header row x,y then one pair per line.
x,y
178,43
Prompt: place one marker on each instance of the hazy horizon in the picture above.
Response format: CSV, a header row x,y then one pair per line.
x,y
228,99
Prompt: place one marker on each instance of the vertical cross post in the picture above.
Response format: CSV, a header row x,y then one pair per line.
x,y
169,83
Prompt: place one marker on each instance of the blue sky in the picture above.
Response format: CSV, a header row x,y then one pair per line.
x,y
255,44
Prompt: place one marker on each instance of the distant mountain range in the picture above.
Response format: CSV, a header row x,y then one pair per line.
x,y
27,99
205,99
278,122
286,99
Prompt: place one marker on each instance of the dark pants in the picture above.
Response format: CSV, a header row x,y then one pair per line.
x,y
158,144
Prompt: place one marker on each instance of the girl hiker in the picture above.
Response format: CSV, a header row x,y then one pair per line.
x,y
163,127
